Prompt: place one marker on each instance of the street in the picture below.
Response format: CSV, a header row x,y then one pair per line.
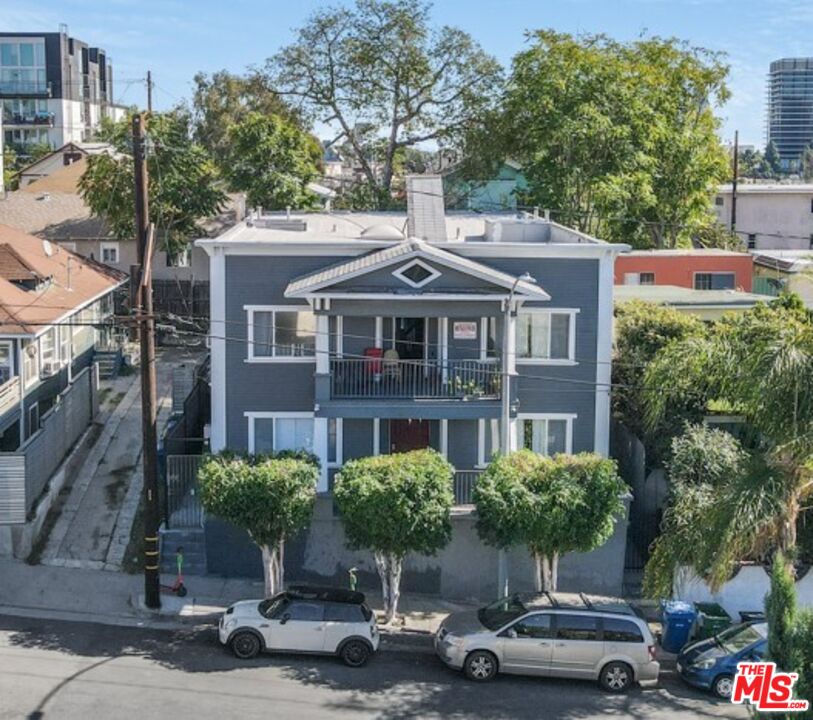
x,y
72,671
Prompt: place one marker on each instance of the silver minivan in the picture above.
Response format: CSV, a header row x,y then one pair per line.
x,y
551,634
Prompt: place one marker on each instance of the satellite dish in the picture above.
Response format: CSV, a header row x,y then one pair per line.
x,y
48,248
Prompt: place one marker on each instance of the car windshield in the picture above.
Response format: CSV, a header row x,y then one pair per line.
x,y
501,611
738,638
268,607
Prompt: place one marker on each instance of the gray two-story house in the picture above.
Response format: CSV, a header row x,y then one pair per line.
x,y
357,334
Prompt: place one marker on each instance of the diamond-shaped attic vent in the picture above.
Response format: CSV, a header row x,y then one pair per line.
x,y
416,273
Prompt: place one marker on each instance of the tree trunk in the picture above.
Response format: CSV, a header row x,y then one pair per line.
x,y
539,574
272,568
787,529
389,570
554,571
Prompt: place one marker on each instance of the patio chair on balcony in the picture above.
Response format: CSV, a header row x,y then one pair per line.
x,y
391,366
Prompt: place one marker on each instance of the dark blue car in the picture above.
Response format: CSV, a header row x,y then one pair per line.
x,y
711,664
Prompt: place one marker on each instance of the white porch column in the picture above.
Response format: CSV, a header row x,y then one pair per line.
x,y
509,368
322,344
217,342
320,450
444,438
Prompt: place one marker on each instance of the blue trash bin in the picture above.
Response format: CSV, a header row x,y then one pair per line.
x,y
678,619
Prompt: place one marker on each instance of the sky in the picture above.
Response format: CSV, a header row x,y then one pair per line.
x,y
177,38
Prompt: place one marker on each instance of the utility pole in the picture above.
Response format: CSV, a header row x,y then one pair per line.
x,y
149,92
734,180
146,332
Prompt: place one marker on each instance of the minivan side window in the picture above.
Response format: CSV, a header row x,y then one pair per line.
x,y
616,630
343,612
533,626
576,627
307,611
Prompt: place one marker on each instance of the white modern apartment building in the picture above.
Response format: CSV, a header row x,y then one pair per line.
x,y
770,216
54,89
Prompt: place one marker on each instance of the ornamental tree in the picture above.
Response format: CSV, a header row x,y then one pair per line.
x,y
568,503
269,496
394,505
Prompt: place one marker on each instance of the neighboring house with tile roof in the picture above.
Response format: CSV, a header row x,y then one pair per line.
x,y
52,303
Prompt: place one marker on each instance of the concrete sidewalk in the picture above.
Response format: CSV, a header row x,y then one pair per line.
x,y
114,598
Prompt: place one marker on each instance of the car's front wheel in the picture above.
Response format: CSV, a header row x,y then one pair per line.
x,y
355,653
616,677
245,645
723,686
481,665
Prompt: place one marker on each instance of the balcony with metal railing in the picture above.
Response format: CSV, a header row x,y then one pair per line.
x,y
37,119
384,378
9,395
18,88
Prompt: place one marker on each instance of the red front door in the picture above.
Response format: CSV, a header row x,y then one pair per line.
x,y
406,435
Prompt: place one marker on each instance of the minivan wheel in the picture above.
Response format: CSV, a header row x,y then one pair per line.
x,y
723,686
355,653
481,666
245,645
616,677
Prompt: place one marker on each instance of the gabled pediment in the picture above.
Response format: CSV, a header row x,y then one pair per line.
x,y
412,267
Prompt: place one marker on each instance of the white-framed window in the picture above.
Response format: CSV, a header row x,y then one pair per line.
x,y
335,442
546,434
488,339
488,440
31,364
416,273
639,278
33,419
274,431
546,336
65,338
6,362
282,333
714,280
48,346
110,252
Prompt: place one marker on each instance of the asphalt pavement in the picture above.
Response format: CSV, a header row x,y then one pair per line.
x,y
83,671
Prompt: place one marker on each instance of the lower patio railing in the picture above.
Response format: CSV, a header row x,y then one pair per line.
x,y
464,482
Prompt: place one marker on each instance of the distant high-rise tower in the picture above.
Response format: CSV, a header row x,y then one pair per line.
x,y
790,108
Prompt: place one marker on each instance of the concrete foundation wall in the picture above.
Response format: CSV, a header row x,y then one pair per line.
x,y
465,569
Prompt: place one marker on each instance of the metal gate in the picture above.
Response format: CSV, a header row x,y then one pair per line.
x,y
183,508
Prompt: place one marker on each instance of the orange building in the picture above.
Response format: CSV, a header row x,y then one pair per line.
x,y
695,269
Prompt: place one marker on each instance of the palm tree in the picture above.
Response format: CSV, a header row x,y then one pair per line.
x,y
759,364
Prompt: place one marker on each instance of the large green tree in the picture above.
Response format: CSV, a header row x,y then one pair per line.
x,y
759,364
642,330
569,503
394,505
385,79
184,185
270,497
223,99
616,139
272,160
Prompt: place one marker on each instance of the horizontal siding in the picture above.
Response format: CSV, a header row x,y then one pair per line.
x,y
12,489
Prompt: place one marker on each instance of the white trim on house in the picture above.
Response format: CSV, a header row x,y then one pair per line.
x,y
339,461
109,246
444,438
567,417
252,415
339,336
417,262
274,358
484,322
571,339
376,436
217,348
604,349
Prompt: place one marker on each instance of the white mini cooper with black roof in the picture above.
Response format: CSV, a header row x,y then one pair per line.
x,y
303,619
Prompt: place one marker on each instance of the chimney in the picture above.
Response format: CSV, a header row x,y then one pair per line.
x,y
426,214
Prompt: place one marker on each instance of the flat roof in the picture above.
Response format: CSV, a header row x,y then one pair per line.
x,y
391,227
685,252
768,188
685,297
